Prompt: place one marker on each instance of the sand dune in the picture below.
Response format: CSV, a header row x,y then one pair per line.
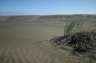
x,y
24,39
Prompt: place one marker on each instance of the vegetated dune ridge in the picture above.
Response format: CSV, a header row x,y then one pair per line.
x,y
25,39
50,18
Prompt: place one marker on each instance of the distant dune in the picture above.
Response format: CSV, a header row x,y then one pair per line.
x,y
49,18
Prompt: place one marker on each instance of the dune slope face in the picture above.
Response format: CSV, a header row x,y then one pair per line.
x,y
37,53
24,54
25,39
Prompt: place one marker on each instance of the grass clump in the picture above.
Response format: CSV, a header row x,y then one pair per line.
x,y
79,43
72,27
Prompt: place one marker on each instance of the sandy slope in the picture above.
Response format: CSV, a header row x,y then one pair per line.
x,y
40,52
26,43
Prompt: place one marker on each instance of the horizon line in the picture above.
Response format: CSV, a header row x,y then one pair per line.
x,y
47,15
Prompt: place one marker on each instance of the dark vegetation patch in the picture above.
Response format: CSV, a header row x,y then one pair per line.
x,y
80,42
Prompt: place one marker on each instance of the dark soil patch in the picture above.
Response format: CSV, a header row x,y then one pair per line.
x,y
81,42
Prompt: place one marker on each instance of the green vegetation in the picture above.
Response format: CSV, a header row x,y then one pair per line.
x,y
72,27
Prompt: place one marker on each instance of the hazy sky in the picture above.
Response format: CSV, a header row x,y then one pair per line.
x,y
43,7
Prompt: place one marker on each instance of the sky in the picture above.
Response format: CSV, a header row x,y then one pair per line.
x,y
47,7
